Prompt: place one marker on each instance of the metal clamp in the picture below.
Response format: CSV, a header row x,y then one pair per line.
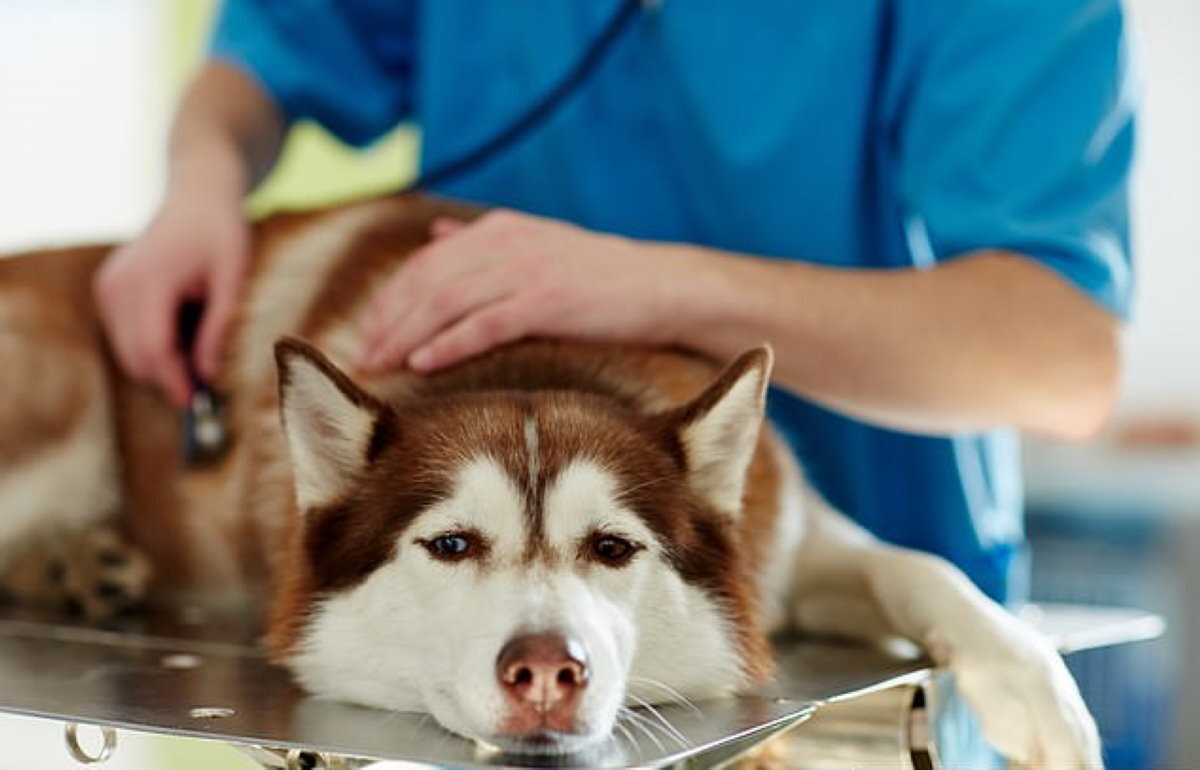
x,y
80,755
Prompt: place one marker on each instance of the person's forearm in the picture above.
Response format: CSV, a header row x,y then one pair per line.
x,y
226,135
988,339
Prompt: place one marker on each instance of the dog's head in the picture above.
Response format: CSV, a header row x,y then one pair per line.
x,y
517,565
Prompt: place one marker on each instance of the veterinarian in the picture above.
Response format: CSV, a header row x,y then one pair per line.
x,y
920,203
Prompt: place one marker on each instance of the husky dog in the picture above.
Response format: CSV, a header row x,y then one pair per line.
x,y
518,546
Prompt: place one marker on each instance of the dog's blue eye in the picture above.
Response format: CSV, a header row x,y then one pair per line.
x,y
450,547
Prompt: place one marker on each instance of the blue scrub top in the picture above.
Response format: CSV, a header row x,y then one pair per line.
x,y
873,133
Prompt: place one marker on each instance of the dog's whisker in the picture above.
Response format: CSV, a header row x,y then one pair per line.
x,y
674,695
654,727
667,727
628,736
642,724
661,727
671,730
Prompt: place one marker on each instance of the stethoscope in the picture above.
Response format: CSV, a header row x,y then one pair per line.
x,y
205,434
527,121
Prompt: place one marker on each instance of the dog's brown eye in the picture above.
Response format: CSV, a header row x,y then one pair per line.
x,y
451,547
612,550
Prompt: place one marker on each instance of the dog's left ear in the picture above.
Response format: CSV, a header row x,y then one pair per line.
x,y
333,427
719,429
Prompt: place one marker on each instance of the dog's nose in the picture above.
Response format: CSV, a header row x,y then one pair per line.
x,y
543,676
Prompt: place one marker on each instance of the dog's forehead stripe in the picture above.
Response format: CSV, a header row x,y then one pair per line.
x,y
531,452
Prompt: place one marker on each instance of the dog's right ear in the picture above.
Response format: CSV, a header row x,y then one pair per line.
x,y
333,427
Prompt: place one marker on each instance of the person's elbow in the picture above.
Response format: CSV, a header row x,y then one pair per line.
x,y
1083,395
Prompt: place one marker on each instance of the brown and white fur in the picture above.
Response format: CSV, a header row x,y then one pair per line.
x,y
520,546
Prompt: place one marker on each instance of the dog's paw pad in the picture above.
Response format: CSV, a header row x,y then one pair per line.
x,y
92,574
106,576
112,557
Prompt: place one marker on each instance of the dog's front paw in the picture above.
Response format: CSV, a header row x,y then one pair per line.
x,y
1027,702
93,573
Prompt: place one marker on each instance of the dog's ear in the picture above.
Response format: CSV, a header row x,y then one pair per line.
x,y
333,427
718,430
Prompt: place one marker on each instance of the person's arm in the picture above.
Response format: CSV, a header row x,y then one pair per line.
x,y
226,136
227,133
986,339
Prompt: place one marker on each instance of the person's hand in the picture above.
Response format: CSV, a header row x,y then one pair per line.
x,y
193,250
510,275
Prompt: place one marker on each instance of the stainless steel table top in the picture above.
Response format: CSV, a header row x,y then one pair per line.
x,y
201,675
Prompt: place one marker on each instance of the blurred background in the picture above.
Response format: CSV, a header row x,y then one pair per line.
x,y
86,90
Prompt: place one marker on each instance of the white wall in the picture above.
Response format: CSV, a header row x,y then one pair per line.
x,y
1163,345
81,118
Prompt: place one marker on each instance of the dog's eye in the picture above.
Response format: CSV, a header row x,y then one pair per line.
x,y
612,550
453,547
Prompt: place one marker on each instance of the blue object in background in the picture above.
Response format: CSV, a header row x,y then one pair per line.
x,y
1120,557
